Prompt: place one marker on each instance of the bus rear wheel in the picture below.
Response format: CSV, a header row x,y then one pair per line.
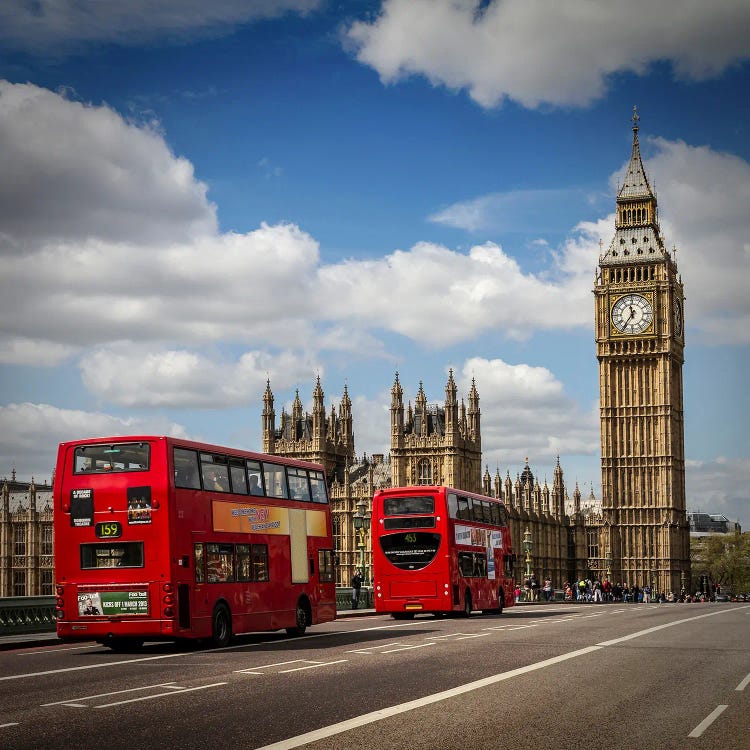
x,y
300,618
500,602
221,626
467,604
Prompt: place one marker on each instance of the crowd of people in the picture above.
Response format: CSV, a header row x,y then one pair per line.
x,y
594,590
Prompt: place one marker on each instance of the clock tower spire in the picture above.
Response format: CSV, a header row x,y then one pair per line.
x,y
639,343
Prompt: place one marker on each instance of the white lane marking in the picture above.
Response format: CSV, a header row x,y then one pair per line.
x,y
476,635
369,650
314,665
407,648
656,628
384,713
160,695
743,684
114,692
706,723
60,648
238,648
9,724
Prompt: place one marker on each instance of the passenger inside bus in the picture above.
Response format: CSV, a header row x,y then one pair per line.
x,y
215,482
255,488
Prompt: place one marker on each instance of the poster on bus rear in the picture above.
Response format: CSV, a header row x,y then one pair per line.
x,y
82,507
139,505
130,602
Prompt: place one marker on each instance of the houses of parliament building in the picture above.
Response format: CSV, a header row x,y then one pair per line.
x,y
636,533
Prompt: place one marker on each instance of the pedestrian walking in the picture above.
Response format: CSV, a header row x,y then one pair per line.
x,y
356,586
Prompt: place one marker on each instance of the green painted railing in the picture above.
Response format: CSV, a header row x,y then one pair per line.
x,y
36,614
27,614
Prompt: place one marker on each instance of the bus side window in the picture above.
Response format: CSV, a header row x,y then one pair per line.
x,y
186,469
452,506
244,569
464,509
215,473
260,562
299,489
275,479
200,572
255,477
237,475
318,485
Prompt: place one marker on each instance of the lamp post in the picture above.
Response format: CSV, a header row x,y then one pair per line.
x,y
528,544
361,524
608,563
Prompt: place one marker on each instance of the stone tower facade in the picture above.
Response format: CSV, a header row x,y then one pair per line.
x,y
317,437
639,344
431,444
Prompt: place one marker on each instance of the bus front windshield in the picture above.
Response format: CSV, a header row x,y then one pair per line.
x,y
412,550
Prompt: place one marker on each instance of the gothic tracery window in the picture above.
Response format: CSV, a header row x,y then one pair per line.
x,y
424,469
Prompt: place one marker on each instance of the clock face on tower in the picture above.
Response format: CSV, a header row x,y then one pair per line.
x,y
632,314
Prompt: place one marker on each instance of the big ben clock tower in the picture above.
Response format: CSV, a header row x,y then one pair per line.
x,y
639,344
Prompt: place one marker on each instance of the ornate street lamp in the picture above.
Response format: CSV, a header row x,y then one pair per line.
x,y
528,544
608,563
362,525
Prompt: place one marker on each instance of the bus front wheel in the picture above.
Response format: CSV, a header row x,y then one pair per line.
x,y
221,627
467,603
300,618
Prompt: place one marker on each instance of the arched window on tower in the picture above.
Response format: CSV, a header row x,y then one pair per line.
x,y
424,469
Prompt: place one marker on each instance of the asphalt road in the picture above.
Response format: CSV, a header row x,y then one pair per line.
x,y
581,676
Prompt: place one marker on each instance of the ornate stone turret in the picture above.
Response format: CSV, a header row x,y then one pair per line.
x,y
269,421
311,437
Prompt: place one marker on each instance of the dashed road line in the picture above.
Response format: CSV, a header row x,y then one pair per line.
x,y
161,695
314,665
706,723
106,695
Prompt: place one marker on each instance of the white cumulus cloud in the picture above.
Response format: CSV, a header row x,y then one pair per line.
x,y
30,433
58,26
539,52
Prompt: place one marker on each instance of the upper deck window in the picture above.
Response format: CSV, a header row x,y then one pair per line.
x,y
111,457
401,506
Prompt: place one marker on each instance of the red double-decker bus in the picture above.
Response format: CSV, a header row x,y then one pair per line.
x,y
440,550
159,538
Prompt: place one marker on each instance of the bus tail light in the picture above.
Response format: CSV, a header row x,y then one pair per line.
x,y
168,612
168,587
60,590
60,603
169,599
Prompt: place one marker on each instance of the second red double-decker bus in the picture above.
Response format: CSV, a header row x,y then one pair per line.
x,y
440,550
160,538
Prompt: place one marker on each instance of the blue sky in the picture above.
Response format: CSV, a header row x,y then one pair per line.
x,y
200,196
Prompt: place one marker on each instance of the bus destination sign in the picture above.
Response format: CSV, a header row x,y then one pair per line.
x,y
108,530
